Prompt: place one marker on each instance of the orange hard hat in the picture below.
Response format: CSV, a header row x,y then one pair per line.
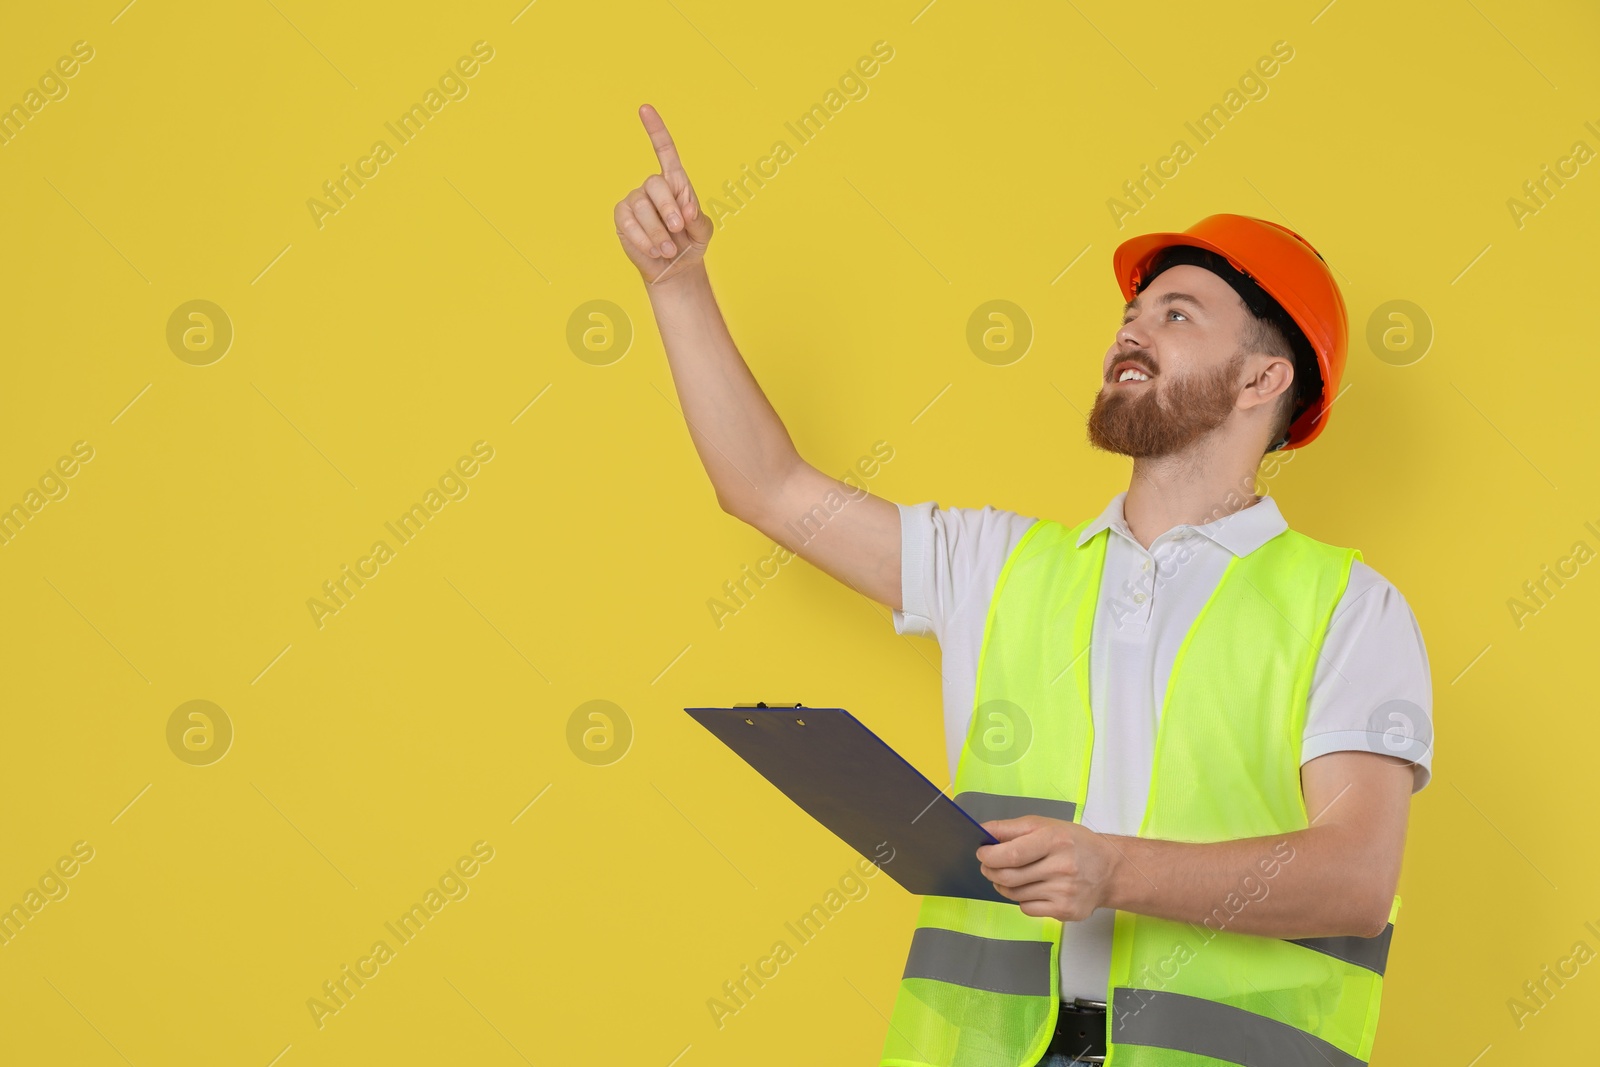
x,y
1282,264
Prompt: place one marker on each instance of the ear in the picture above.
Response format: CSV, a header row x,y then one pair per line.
x,y
1273,376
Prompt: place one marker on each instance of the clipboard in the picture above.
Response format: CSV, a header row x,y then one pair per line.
x,y
847,778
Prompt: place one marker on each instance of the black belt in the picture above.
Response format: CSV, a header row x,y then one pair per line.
x,y
1080,1030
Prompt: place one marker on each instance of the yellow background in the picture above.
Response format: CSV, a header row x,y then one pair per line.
x,y
428,714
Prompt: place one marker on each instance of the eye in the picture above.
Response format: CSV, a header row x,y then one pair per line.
x,y
1170,311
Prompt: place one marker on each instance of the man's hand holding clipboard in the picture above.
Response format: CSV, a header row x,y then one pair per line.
x,y
1049,867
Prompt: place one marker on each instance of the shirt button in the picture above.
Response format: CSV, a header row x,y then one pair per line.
x,y
1145,565
1138,598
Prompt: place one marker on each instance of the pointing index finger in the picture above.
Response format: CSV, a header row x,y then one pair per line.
x,y
666,151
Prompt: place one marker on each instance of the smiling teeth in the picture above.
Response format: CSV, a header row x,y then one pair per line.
x,y
1135,375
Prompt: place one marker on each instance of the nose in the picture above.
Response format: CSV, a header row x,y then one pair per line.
x,y
1128,335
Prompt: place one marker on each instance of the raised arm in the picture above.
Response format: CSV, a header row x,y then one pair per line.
x,y
758,475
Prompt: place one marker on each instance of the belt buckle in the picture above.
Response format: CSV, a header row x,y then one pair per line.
x,y
1084,1004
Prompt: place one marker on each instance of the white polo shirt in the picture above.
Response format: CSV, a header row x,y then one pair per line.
x,y
1371,690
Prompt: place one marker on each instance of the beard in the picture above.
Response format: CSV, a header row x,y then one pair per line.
x,y
1166,418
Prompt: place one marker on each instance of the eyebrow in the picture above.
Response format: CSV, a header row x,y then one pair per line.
x,y
1165,298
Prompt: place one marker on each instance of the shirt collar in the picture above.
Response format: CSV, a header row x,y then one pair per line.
x,y
1241,533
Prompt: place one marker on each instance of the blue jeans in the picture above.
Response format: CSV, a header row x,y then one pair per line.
x,y
1056,1059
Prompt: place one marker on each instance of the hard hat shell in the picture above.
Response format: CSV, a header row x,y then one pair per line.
x,y
1287,268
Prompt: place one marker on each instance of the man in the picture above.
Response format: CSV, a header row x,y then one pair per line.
x,y
1193,732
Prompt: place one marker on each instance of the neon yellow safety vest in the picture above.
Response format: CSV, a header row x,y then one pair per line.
x,y
981,985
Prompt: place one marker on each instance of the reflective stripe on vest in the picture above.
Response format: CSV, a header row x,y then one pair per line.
x,y
995,964
1369,952
1203,1027
1003,966
977,989
986,806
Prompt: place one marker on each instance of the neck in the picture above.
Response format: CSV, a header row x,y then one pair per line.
x,y
1191,488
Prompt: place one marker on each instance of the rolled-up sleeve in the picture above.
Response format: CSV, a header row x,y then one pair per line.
x,y
947,555
1372,690
916,528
